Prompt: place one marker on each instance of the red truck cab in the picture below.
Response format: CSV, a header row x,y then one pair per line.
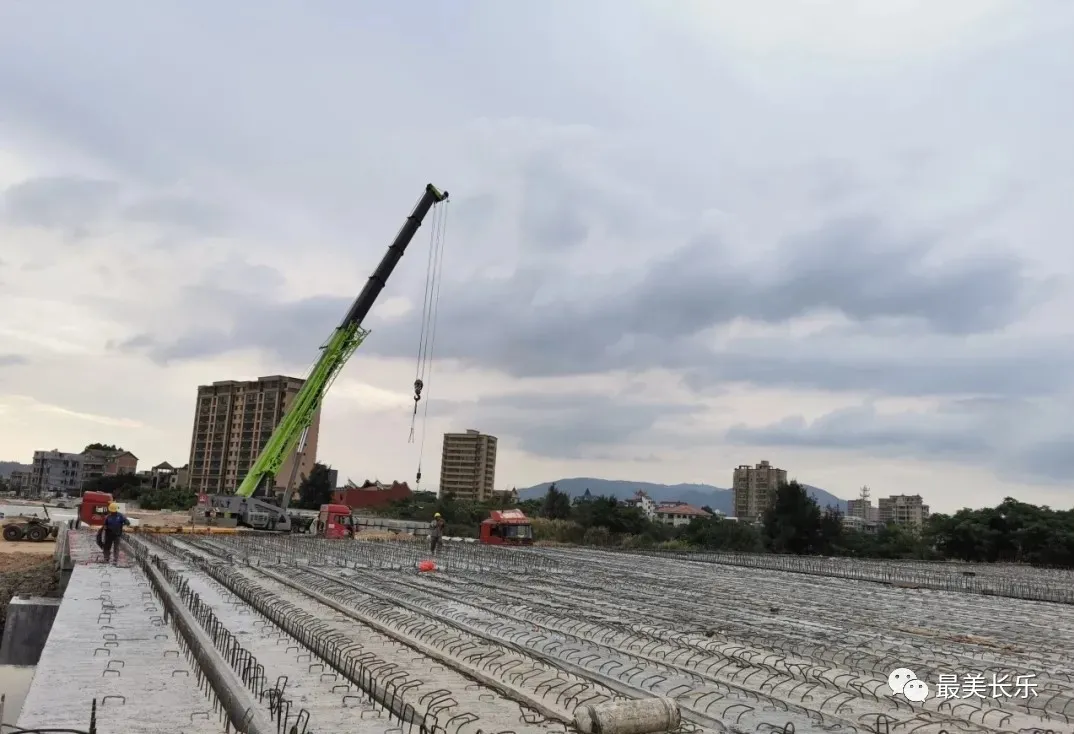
x,y
507,527
94,507
334,521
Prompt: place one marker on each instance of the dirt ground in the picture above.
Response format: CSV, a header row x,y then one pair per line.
x,y
31,574
11,552
160,518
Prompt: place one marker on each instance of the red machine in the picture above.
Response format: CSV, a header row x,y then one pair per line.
x,y
507,527
94,507
335,521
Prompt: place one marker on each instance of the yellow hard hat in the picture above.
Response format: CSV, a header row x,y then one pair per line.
x,y
437,515
113,507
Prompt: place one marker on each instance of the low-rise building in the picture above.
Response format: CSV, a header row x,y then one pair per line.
x,y
643,502
19,480
505,497
97,463
163,476
678,514
859,524
372,494
55,473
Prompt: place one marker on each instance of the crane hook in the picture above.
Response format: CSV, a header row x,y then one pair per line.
x,y
418,385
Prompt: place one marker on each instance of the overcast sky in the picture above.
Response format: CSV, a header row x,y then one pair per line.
x,y
684,235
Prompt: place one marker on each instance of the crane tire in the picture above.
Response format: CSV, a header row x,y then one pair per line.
x,y
13,532
37,533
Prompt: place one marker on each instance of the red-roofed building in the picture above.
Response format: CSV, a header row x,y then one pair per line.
x,y
372,494
678,514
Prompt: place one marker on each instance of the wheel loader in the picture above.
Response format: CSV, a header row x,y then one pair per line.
x,y
30,527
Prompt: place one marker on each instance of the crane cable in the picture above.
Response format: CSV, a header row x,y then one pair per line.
x,y
427,338
426,319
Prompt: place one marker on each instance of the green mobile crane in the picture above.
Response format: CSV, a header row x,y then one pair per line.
x,y
247,504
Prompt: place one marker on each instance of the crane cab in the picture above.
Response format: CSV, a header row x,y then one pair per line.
x,y
94,508
507,527
335,521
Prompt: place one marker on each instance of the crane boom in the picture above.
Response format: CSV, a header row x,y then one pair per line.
x,y
335,352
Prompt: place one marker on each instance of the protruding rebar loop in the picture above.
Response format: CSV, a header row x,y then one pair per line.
x,y
672,635
1007,580
379,680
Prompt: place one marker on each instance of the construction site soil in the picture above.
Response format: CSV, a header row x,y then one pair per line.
x,y
26,574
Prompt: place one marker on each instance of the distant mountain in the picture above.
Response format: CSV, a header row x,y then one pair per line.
x,y
698,495
6,467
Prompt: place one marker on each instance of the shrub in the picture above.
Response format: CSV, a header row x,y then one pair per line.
x,y
559,531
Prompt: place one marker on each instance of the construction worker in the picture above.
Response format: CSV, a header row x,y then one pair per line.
x,y
111,531
436,532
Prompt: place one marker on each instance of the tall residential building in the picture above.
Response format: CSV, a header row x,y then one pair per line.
x,y
468,465
755,488
903,509
54,473
232,423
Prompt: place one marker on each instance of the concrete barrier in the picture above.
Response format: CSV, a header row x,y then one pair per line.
x,y
29,621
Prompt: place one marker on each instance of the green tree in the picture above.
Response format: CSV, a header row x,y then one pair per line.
x,y
607,512
102,447
120,486
716,533
531,508
316,489
1012,531
792,524
830,530
168,499
556,504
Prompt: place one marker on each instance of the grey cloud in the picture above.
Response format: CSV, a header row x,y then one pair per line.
x,y
915,434
1051,458
657,317
181,212
543,321
855,267
68,203
552,216
1020,439
77,205
580,425
292,331
12,360
891,361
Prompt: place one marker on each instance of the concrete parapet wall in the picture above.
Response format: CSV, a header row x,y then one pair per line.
x,y
29,621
